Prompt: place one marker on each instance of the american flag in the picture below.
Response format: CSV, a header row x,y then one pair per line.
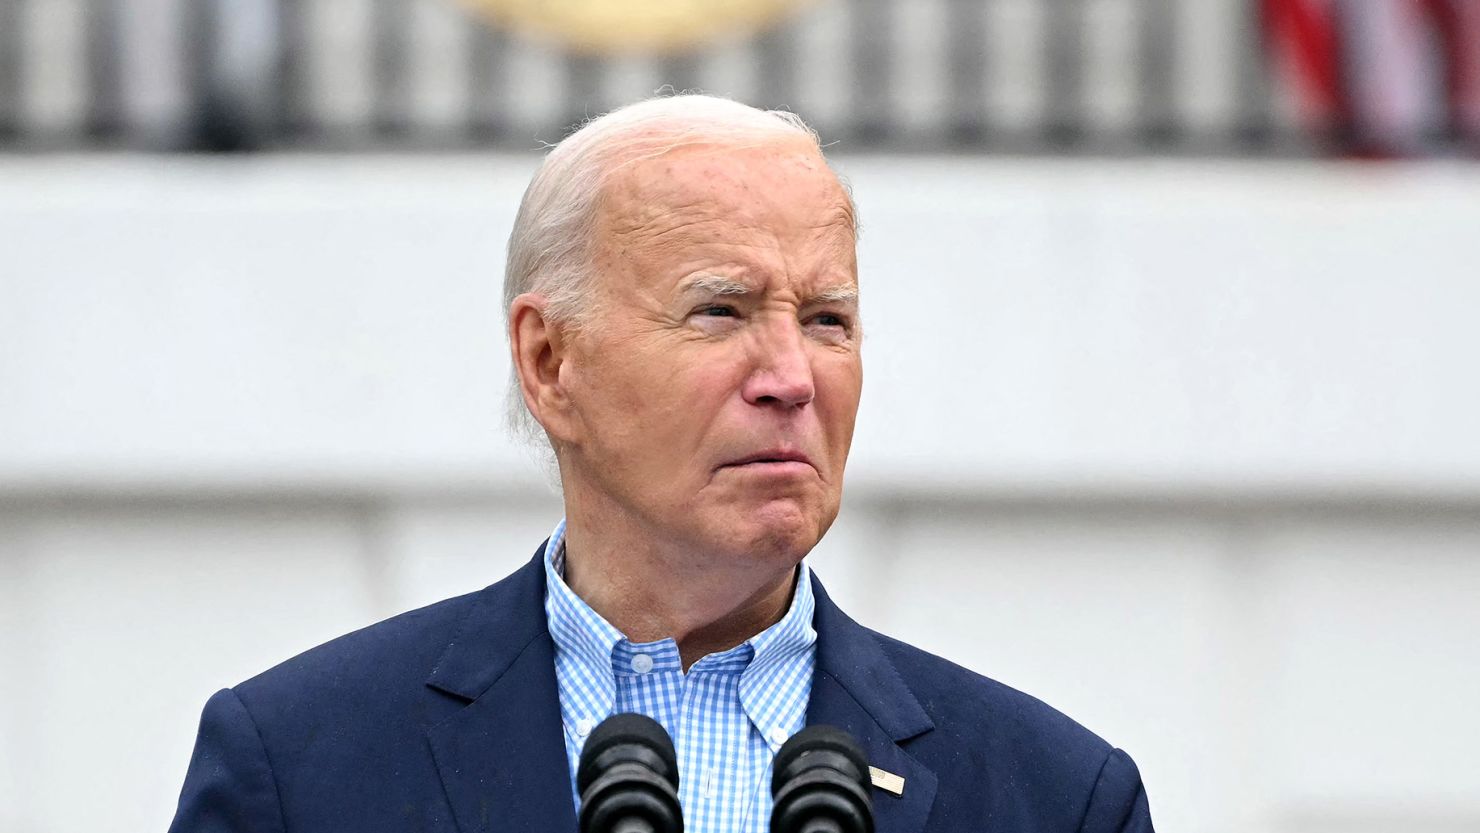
x,y
1389,77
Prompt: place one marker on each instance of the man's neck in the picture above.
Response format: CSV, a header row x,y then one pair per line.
x,y
651,590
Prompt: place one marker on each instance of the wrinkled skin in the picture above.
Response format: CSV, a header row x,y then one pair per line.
x,y
703,418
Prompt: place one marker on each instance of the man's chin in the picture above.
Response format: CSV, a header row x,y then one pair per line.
x,y
778,529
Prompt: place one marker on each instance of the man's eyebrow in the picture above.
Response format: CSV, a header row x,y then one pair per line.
x,y
720,285
714,285
844,294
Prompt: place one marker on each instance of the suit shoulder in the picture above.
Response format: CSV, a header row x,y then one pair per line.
x,y
401,649
965,703
997,749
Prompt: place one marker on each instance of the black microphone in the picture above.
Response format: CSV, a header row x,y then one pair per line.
x,y
821,783
628,778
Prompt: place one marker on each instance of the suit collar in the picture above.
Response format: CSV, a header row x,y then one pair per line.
x,y
857,688
502,757
851,655
506,617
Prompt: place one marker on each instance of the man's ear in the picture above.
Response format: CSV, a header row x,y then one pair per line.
x,y
539,348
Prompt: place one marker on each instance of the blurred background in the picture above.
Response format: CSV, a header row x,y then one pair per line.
x,y
1172,401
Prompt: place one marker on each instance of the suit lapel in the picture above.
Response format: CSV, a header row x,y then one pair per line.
x,y
857,689
502,757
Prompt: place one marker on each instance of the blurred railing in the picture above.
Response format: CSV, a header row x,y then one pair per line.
x,y
1032,76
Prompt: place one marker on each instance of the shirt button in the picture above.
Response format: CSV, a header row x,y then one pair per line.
x,y
584,726
642,663
779,735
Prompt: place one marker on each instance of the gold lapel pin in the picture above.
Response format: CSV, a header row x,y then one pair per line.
x,y
886,781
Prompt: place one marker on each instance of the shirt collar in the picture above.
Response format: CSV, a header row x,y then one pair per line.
x,y
778,654
775,688
578,631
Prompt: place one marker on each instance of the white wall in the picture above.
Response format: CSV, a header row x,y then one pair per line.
x,y
1184,448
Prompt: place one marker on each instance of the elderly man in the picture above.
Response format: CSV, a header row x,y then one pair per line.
x,y
683,318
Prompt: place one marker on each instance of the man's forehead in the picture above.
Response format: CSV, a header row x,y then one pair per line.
x,y
787,184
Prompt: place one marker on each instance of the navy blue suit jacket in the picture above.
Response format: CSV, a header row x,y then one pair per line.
x,y
447,719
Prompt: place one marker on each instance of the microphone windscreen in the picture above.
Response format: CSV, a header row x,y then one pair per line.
x,y
820,781
627,729
789,760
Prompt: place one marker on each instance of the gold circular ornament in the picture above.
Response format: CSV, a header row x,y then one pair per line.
x,y
609,26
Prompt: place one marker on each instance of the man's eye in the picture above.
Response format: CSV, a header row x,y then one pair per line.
x,y
827,319
717,311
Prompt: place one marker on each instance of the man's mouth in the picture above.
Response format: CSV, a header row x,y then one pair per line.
x,y
780,458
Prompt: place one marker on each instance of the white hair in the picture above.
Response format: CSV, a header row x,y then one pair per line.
x,y
550,247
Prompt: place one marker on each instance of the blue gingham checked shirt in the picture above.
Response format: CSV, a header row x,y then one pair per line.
x,y
728,715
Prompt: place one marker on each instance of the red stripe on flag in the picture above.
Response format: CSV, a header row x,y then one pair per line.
x,y
1457,23
1303,33
1465,94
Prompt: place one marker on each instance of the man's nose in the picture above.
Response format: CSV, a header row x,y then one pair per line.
x,y
782,373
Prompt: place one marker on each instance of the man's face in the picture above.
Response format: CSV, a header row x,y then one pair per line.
x,y
716,389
